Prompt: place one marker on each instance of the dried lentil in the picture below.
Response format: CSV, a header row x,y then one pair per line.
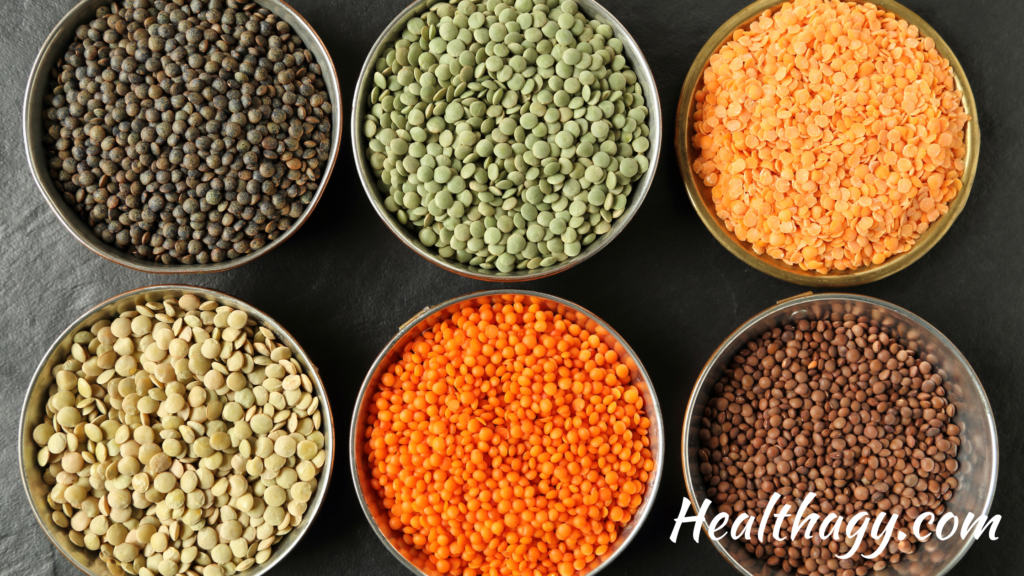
x,y
508,435
187,132
155,482
831,134
506,136
840,406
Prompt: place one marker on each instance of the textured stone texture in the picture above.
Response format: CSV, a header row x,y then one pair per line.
x,y
344,284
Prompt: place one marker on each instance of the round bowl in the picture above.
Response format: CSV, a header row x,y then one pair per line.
x,y
377,515
978,456
645,77
33,412
700,195
32,132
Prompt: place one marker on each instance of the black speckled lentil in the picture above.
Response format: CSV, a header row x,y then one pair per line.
x,y
187,132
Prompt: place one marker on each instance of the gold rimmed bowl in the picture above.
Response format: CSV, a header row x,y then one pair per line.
x,y
700,194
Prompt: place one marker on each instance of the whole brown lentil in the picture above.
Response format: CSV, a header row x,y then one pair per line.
x,y
187,132
838,406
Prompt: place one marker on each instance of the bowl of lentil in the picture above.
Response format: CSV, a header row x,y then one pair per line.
x,y
199,160
570,502
883,414
510,146
857,156
228,483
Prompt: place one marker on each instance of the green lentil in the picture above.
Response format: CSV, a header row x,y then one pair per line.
x,y
506,135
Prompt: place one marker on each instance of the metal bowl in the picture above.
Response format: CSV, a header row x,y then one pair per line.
x,y
377,515
700,195
33,412
978,456
32,132
635,59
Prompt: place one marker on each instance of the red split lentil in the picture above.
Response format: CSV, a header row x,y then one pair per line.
x,y
509,440
831,134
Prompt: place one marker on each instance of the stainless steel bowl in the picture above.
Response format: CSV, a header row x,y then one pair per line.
x,y
635,59
377,515
32,132
978,456
33,412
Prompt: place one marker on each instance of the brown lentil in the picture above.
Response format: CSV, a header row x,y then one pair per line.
x,y
187,132
838,406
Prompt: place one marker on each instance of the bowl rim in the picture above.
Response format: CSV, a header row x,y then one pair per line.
x,y
37,157
326,471
356,430
776,268
592,10
691,476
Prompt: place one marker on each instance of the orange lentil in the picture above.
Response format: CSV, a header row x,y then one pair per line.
x,y
844,139
522,462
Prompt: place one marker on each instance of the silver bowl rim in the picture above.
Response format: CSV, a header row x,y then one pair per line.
x,y
691,476
592,10
654,409
324,477
32,112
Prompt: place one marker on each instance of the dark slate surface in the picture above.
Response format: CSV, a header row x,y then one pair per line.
x,y
344,284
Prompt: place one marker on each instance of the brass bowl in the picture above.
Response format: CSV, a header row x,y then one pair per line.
x,y
32,132
360,109
700,195
33,411
377,515
978,456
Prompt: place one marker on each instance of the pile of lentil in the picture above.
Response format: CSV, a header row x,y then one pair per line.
x,y
506,136
180,438
508,439
830,133
842,407
187,132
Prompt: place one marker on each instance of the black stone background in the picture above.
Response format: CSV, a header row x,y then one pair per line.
x,y
343,285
